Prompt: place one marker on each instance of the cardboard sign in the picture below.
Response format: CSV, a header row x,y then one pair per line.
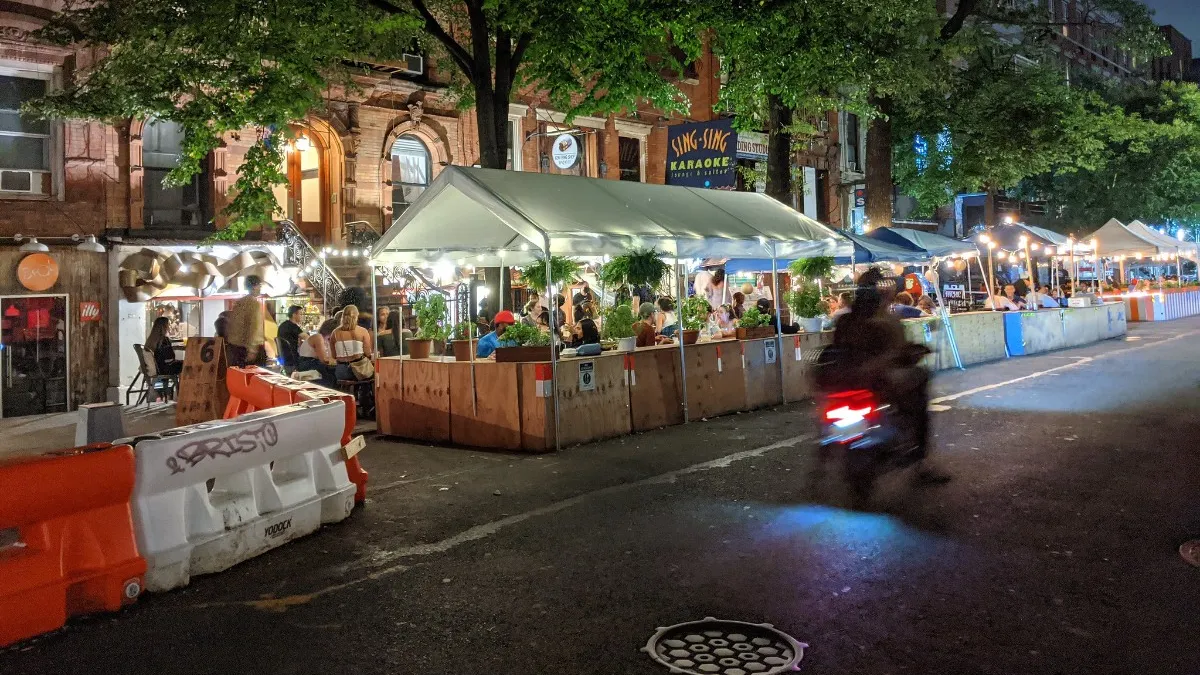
x,y
956,297
202,393
89,311
587,376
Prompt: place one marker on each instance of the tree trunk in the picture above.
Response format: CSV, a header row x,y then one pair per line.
x,y
779,150
989,207
492,120
879,166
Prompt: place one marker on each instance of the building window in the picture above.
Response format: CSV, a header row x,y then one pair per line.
x,y
25,143
515,144
630,150
163,206
411,172
851,141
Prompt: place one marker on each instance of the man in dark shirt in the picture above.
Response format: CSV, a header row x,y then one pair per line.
x,y
360,297
289,338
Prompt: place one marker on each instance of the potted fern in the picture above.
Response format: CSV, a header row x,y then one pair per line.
x,y
805,297
639,267
431,314
527,344
755,325
462,340
562,271
693,315
618,325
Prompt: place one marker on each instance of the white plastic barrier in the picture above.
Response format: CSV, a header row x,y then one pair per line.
x,y
277,475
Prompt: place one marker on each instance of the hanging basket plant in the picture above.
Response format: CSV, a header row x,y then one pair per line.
x,y
563,270
812,269
639,267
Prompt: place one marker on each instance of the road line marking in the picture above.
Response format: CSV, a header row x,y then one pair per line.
x,y
1082,360
385,563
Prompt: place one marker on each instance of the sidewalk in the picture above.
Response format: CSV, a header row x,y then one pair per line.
x,y
57,431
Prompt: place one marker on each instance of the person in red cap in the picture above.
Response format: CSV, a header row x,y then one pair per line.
x,y
489,342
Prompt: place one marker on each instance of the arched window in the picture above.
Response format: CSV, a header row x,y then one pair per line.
x,y
411,172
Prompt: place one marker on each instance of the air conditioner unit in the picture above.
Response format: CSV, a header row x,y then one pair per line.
x,y
414,64
24,182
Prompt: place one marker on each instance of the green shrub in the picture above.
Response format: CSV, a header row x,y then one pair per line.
x,y
431,317
525,336
753,318
618,322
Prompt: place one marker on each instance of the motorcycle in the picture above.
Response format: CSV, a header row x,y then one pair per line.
x,y
874,437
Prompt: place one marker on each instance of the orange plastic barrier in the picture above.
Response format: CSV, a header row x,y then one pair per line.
x,y
75,551
258,389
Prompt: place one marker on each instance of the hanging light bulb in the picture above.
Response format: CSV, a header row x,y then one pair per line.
x,y
303,144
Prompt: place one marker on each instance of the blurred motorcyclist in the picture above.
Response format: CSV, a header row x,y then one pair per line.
x,y
874,354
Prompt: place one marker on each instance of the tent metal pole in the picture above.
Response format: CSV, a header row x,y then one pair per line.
x,y
500,290
970,290
679,334
778,322
375,309
944,313
553,348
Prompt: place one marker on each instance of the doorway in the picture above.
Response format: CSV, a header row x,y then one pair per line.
x,y
304,199
34,354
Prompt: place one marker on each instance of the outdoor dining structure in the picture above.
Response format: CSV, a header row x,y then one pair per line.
x,y
493,218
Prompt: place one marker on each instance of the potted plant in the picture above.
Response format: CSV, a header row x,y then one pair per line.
x,y
431,314
639,267
807,304
693,315
530,344
805,297
755,325
463,341
618,325
562,271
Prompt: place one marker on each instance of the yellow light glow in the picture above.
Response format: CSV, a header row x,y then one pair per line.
x,y
984,238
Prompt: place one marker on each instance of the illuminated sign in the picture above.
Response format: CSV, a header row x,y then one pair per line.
x,y
702,154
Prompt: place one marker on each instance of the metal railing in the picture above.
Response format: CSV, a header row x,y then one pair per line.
x,y
297,252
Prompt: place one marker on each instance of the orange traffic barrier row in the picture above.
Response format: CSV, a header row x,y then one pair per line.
x,y
74,550
256,388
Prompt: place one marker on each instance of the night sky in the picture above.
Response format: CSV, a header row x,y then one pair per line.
x,y
1183,14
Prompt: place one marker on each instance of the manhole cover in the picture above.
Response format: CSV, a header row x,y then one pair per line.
x,y
721,647
1190,550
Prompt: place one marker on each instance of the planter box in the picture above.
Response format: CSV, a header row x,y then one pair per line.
x,y
756,333
521,354
690,337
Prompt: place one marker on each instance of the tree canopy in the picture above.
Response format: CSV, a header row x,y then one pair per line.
x,y
227,66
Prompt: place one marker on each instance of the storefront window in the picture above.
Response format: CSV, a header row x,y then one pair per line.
x,y
411,172
184,317
33,360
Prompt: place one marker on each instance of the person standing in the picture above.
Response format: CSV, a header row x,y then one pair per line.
x,y
351,343
247,327
289,338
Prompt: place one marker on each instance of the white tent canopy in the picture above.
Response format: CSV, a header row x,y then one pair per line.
x,y
1167,245
1114,239
490,217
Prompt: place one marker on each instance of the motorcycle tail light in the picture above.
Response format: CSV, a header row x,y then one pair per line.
x,y
848,408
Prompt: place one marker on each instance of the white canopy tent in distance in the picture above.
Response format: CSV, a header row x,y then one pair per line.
x,y
497,218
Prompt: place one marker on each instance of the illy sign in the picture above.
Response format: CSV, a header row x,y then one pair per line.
x,y
89,311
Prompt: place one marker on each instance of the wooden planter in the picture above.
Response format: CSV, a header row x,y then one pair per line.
x,y
521,354
756,333
419,349
690,337
463,349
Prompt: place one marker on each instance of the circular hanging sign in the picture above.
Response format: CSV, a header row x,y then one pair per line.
x,y
37,272
565,151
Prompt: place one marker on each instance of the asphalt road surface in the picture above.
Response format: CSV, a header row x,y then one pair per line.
x,y
1052,550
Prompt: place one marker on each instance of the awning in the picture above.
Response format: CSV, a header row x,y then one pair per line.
x,y
1114,239
866,251
490,217
933,245
1166,245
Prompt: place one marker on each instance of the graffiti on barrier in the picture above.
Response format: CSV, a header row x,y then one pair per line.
x,y
246,441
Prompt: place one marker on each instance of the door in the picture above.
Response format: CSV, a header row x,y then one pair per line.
x,y
305,197
34,355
